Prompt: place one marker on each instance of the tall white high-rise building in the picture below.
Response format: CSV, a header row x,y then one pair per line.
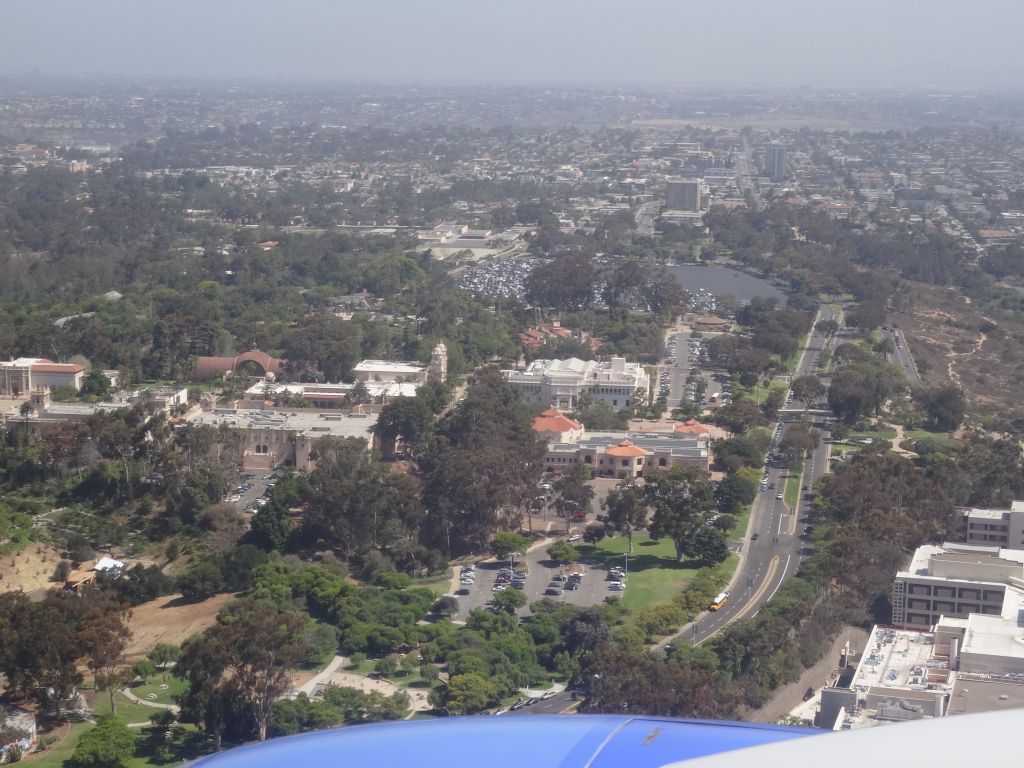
x,y
775,161
683,195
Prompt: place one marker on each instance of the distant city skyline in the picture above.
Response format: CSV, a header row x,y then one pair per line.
x,y
875,43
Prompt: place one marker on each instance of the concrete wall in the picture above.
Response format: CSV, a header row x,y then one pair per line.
x,y
974,568
54,380
990,664
789,697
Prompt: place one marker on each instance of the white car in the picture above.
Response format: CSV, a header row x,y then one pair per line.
x,y
549,694
574,537
616,586
499,588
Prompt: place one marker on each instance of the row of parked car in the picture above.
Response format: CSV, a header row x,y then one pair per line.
x,y
562,582
617,577
520,703
508,578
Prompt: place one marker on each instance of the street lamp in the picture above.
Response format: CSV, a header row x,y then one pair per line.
x,y
567,503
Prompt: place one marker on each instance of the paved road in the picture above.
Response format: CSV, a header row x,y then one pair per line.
x,y
680,370
645,216
553,706
902,357
745,173
776,552
259,487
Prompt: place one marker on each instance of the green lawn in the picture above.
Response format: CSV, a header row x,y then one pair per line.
x,y
882,434
739,526
364,668
163,695
939,437
412,680
127,710
187,744
654,575
791,363
439,585
758,393
55,757
429,715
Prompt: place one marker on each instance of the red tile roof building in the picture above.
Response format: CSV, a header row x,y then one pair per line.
x,y
691,427
535,337
215,367
22,376
552,426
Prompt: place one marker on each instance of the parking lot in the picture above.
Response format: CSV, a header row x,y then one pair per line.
x,y
680,373
500,279
593,587
253,486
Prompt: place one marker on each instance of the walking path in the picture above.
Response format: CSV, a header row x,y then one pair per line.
x,y
332,676
323,676
132,697
900,437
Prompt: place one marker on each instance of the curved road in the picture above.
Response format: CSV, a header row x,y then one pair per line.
x,y
773,548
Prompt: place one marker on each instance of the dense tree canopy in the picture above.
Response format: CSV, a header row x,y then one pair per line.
x,y
681,499
483,471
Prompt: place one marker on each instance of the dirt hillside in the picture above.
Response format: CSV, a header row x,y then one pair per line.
x,y
170,620
28,570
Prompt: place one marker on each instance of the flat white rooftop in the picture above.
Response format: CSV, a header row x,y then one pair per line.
x,y
311,423
995,635
324,391
895,659
389,366
922,556
987,514
920,563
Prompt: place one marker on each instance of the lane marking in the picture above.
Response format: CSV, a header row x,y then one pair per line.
x,y
782,580
769,575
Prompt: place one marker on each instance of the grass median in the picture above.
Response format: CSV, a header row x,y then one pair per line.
x,y
791,496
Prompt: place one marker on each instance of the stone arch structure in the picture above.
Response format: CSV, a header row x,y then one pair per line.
x,y
216,367
262,360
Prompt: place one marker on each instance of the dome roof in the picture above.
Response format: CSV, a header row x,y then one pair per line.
x,y
691,427
626,450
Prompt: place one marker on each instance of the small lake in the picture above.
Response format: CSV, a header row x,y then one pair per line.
x,y
718,280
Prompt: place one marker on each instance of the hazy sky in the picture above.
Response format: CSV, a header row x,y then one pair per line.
x,y
972,43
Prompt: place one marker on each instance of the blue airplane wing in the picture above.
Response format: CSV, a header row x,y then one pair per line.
x,y
536,741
